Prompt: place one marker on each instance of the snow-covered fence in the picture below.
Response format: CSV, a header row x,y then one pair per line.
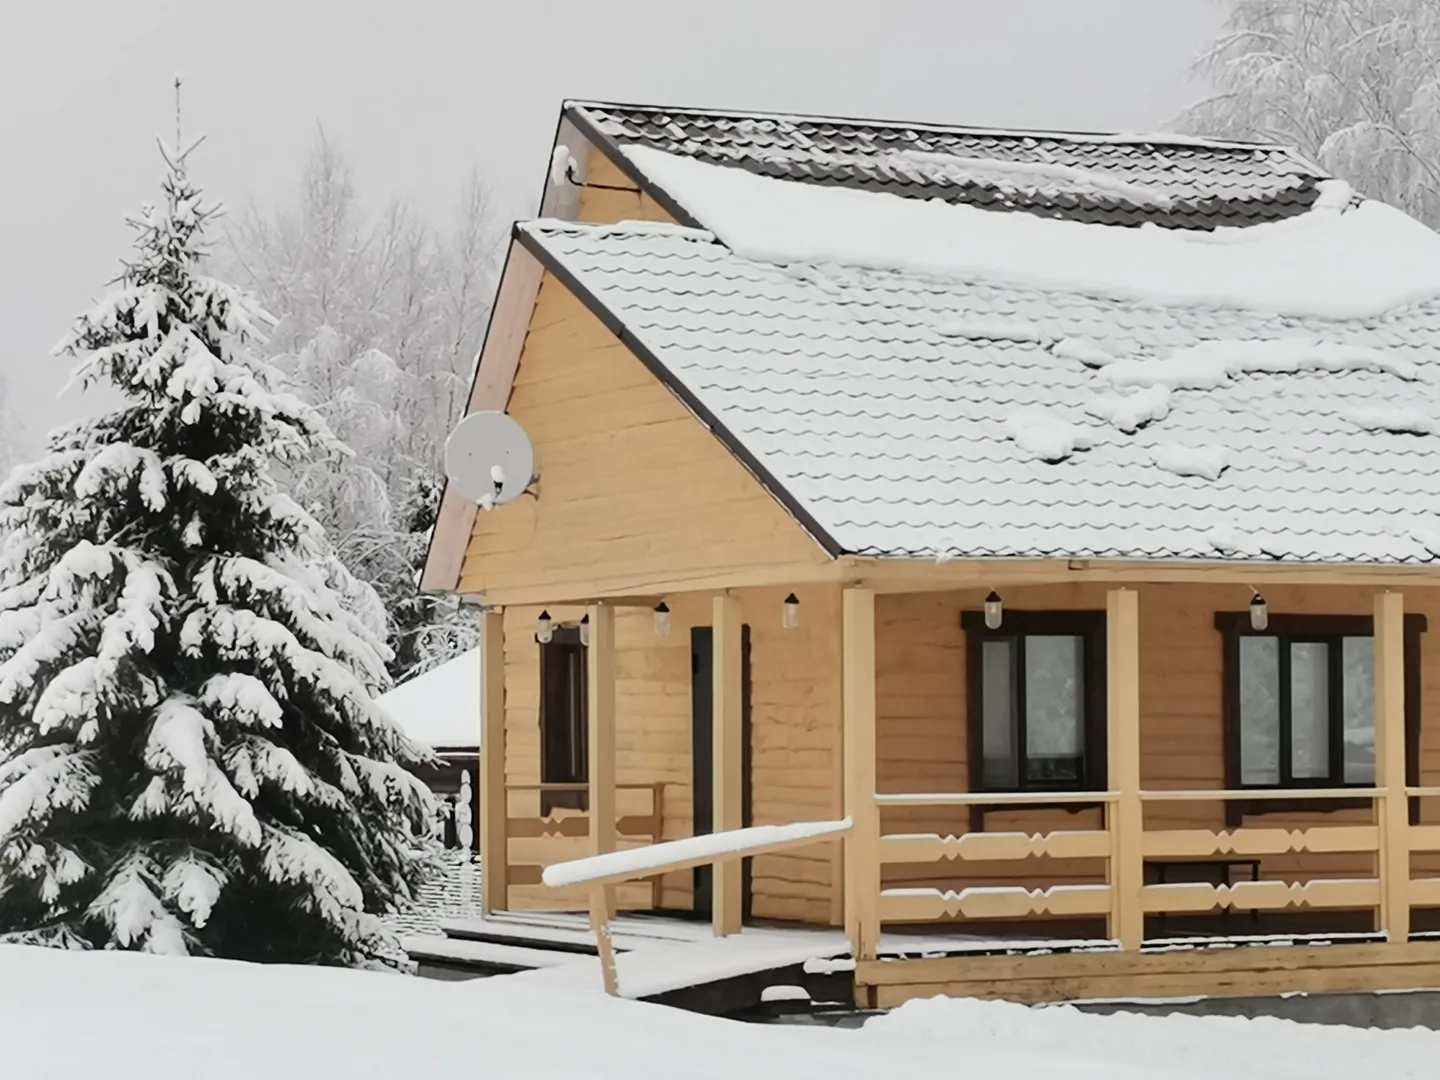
x,y
601,873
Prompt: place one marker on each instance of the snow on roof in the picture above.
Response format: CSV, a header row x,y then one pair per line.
x,y
895,409
440,708
1173,180
1336,261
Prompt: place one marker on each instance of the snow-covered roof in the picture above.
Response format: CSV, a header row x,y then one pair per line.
x,y
1171,180
933,380
440,708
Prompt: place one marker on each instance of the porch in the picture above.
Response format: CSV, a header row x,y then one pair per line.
x,y
1158,815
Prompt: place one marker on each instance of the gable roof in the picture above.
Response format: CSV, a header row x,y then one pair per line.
x,y
1168,180
916,411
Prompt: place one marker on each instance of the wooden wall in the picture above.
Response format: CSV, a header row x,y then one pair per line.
x,y
610,196
633,489
922,732
795,738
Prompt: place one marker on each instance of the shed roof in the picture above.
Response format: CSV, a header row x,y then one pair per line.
x,y
923,388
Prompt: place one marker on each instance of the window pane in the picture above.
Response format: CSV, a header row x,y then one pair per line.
x,y
1309,710
1001,768
1358,681
1259,710
1054,696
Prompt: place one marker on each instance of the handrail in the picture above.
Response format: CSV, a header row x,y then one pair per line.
x,y
971,798
601,873
580,787
1261,793
618,867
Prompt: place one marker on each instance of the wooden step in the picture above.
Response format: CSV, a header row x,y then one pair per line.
x,y
489,956
572,933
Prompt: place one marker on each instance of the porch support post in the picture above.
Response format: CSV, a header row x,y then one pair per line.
x,y
1126,814
494,857
1394,816
600,671
728,758
862,843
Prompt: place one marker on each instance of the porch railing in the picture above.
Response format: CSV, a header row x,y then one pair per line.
x,y
1124,846
1389,889
530,837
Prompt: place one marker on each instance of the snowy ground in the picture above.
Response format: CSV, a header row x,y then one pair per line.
x,y
68,1016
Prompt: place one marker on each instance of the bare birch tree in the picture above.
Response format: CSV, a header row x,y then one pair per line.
x,y
381,318
1355,84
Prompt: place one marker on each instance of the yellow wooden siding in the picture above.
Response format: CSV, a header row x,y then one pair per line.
x,y
795,738
923,744
600,203
633,488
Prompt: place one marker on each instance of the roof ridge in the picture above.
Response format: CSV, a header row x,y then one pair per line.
x,y
1155,139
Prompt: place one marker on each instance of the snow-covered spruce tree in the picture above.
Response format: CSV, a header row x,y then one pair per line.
x,y
195,763
428,629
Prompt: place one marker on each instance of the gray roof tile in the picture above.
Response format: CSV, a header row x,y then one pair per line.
x,y
891,434
1209,184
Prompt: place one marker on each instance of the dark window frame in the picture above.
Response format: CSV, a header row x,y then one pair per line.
x,y
1233,625
556,765
1090,627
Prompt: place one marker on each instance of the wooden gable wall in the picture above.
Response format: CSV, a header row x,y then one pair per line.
x,y
634,491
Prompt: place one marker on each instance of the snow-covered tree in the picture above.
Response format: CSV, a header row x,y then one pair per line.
x,y
190,757
428,629
381,320
1355,84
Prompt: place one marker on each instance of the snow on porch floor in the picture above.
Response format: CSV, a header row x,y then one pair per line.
x,y
656,955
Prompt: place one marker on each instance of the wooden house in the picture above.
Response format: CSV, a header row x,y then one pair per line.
x,y
1062,509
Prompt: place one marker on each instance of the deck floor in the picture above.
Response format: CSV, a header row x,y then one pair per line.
x,y
659,955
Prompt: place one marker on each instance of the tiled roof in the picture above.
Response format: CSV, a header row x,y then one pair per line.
x,y
1203,184
878,404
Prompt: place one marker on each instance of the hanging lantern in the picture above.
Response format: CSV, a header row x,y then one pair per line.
x,y
1259,613
790,614
994,611
544,628
662,620
585,630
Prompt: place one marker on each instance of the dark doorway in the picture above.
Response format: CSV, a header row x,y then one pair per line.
x,y
703,755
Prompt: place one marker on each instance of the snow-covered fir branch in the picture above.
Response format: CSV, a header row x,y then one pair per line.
x,y
192,758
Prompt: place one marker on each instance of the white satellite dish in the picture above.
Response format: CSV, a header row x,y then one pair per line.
x,y
489,459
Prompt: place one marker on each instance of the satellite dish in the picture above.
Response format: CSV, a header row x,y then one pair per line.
x,y
489,459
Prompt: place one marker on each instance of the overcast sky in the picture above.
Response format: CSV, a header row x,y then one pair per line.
x,y
419,93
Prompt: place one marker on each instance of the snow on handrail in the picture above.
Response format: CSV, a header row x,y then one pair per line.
x,y
618,866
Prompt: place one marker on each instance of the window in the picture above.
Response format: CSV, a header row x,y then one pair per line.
x,y
564,730
1037,701
1300,705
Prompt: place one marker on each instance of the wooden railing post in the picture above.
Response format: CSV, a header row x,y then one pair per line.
x,y
494,811
728,756
1394,815
600,669
1126,814
862,842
